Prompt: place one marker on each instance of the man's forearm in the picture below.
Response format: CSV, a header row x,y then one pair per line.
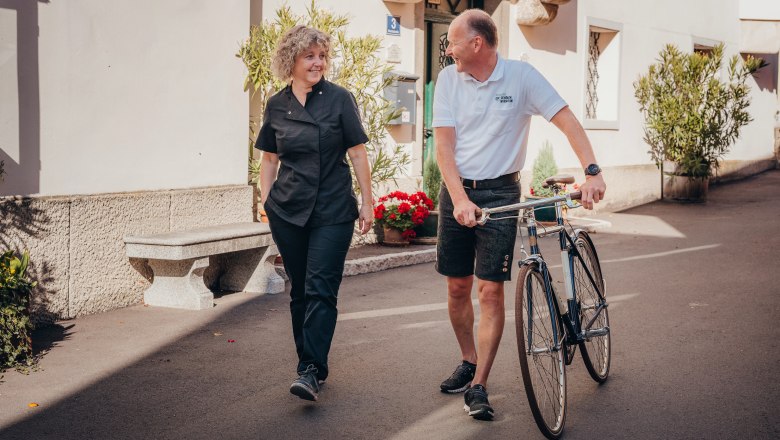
x,y
445,156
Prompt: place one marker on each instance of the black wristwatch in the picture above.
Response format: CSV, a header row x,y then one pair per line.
x,y
592,170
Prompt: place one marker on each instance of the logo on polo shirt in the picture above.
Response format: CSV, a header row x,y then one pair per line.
x,y
503,98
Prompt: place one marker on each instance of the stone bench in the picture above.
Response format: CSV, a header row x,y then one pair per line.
x,y
179,259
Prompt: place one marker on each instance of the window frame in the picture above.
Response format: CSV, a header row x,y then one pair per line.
x,y
604,26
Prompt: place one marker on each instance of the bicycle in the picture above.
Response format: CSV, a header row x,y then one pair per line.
x,y
550,327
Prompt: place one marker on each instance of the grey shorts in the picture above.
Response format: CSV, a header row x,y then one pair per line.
x,y
485,251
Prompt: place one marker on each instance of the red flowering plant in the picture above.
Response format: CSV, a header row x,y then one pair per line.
x,y
403,211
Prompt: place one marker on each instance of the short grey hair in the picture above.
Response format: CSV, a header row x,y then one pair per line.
x,y
293,42
482,24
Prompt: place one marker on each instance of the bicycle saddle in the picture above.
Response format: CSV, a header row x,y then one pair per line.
x,y
558,178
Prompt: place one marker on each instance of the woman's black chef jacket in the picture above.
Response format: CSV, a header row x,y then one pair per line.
x,y
314,185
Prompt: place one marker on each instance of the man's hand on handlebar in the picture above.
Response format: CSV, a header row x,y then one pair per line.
x,y
592,190
466,213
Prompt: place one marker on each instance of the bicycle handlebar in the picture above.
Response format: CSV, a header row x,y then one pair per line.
x,y
484,213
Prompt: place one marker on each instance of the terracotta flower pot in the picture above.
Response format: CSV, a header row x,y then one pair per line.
x,y
393,237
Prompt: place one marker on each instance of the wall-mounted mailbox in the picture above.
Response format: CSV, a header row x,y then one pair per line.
x,y
402,96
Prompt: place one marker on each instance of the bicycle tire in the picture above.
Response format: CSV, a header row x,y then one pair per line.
x,y
597,350
544,370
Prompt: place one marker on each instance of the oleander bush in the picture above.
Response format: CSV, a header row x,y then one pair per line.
x,y
693,108
15,324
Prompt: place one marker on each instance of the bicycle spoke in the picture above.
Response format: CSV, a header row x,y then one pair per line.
x,y
542,363
596,349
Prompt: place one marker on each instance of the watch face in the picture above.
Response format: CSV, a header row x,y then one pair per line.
x,y
592,169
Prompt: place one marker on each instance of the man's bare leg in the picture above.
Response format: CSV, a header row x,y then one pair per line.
x,y
491,326
462,315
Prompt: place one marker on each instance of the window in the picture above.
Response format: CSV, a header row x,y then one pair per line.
x,y
703,46
602,80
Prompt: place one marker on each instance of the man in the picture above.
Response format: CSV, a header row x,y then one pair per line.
x,y
481,116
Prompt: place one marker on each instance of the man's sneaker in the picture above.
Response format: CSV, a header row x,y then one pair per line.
x,y
306,386
460,379
477,404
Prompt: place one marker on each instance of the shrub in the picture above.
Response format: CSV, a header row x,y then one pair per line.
x,y
693,116
432,180
15,324
544,167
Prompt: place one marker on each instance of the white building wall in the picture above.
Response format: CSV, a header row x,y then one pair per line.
x,y
122,117
560,49
131,95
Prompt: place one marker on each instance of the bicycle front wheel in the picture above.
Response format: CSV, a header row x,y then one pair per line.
x,y
596,349
540,339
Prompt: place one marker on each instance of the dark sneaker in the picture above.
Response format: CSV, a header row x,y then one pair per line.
x,y
477,404
460,379
306,386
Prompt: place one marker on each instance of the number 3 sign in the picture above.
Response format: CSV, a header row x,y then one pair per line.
x,y
393,25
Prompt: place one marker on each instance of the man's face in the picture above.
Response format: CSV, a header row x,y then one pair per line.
x,y
460,46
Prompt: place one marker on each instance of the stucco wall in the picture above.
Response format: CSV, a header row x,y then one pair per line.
x,y
121,95
76,245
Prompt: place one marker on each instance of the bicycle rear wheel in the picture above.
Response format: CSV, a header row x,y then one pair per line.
x,y
597,348
541,360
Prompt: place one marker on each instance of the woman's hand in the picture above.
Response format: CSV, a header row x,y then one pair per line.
x,y
366,218
269,167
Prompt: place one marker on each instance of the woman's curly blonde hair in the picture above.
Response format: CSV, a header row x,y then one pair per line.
x,y
295,41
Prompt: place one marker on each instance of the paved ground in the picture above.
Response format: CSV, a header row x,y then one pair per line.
x,y
694,299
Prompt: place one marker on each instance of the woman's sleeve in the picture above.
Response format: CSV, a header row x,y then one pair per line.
x,y
266,140
351,127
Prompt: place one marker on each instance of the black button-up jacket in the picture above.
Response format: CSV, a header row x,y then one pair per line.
x,y
314,185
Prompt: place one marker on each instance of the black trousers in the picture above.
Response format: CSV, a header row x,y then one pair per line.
x,y
314,261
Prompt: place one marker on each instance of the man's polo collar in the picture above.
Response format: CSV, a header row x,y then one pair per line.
x,y
497,74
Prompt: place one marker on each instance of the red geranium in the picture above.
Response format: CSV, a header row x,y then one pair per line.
x,y
403,211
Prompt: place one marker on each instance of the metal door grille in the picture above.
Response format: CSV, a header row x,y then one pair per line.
x,y
444,60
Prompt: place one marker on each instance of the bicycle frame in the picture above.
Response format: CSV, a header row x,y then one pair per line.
x,y
568,307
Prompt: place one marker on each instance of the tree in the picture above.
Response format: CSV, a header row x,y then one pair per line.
x,y
544,167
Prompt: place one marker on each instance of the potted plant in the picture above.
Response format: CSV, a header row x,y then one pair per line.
x,y
428,230
693,115
544,167
398,213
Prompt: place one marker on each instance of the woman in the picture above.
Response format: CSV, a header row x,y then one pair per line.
x,y
306,189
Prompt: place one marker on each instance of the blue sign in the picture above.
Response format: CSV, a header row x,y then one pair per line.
x,y
393,25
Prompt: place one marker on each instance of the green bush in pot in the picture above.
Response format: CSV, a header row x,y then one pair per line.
x,y
692,114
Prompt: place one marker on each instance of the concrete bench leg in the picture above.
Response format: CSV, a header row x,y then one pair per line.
x,y
179,284
252,271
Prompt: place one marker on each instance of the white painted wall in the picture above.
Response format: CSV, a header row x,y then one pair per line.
x,y
759,9
131,95
366,17
559,51
144,95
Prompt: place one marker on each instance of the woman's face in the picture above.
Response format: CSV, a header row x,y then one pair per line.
x,y
309,66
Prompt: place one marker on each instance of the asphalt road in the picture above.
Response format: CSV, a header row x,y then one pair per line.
x,y
693,292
